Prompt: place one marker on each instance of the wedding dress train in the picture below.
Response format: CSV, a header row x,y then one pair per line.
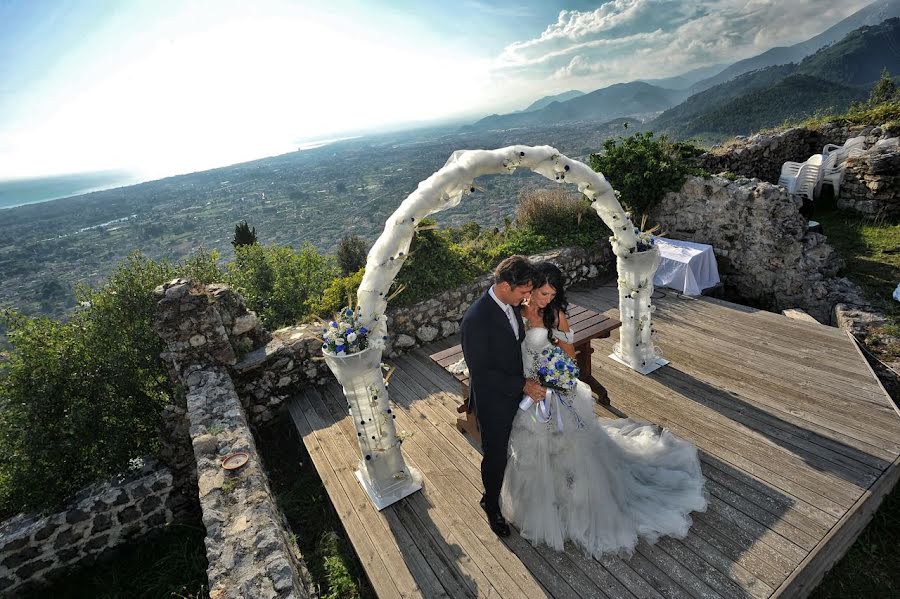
x,y
600,483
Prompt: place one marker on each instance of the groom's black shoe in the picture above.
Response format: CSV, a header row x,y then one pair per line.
x,y
496,520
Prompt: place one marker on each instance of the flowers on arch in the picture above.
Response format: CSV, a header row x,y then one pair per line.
x,y
345,335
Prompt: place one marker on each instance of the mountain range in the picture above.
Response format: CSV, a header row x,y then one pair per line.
x,y
838,66
830,79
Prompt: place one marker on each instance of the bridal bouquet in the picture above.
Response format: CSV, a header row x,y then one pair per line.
x,y
555,369
345,335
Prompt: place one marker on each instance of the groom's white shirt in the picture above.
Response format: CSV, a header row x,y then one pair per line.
x,y
507,309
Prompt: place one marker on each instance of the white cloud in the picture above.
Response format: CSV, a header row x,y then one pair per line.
x,y
624,40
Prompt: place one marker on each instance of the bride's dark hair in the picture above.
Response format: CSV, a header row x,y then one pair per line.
x,y
547,272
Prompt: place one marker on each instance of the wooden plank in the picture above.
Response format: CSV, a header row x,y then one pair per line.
x,y
551,557
679,573
411,574
738,553
503,569
767,351
657,578
564,568
776,505
835,544
743,410
766,391
837,365
781,396
625,574
582,586
729,578
377,572
825,459
722,449
764,518
438,373
489,573
819,488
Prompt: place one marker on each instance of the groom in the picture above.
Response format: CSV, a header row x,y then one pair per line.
x,y
492,331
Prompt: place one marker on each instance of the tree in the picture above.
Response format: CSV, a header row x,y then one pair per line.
x,y
643,168
243,235
885,90
351,254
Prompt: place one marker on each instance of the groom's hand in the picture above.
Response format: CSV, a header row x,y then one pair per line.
x,y
534,389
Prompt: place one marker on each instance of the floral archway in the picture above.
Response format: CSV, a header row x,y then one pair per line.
x,y
382,470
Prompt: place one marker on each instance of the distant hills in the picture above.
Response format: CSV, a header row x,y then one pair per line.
x,y
849,55
547,100
606,104
831,78
873,14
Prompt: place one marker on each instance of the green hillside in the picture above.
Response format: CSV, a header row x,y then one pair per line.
x,y
794,97
829,80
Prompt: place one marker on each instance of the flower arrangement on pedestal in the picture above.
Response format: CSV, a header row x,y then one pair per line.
x,y
356,365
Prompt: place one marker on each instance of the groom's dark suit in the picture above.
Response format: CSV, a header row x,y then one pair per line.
x,y
494,358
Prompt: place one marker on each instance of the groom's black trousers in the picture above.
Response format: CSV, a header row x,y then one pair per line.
x,y
495,425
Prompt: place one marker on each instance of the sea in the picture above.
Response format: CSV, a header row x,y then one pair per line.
x,y
18,192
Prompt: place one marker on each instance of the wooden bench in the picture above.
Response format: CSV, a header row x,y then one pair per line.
x,y
585,323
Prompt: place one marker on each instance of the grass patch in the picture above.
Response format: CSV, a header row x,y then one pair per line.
x,y
857,114
871,252
171,563
300,494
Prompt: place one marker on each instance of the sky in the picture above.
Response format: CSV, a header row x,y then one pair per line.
x,y
164,87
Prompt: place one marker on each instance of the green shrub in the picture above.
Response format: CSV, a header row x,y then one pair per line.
x,y
281,285
643,168
434,264
339,294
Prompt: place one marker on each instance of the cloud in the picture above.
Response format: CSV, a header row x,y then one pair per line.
x,y
624,40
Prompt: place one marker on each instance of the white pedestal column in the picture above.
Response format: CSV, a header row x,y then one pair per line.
x,y
382,471
635,348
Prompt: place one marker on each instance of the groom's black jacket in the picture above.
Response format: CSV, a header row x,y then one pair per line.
x,y
494,358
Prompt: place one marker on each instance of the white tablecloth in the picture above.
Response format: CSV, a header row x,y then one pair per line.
x,y
686,266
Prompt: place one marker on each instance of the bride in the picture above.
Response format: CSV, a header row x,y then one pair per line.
x,y
600,483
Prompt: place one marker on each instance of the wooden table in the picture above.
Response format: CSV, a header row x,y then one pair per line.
x,y
585,323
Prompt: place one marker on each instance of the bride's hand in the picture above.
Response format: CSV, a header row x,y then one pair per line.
x,y
534,389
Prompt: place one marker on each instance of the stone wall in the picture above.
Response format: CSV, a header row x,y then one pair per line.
x,y
250,552
440,316
34,548
764,251
762,155
871,183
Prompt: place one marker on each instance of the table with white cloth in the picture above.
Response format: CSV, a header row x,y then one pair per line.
x,y
685,266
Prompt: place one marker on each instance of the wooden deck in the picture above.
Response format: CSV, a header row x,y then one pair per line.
x,y
798,444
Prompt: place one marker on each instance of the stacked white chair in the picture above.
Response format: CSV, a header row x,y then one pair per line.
x,y
833,164
802,178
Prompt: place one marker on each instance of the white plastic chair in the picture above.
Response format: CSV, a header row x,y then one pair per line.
x,y
807,179
833,166
801,178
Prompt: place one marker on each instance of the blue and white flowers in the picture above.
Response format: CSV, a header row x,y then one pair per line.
x,y
345,334
556,370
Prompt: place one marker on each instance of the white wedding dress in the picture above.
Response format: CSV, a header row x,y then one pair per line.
x,y
601,483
